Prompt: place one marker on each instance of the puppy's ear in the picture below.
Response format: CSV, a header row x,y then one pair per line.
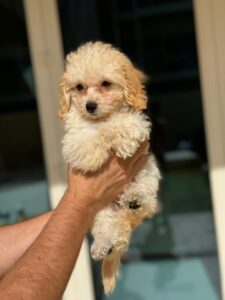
x,y
64,99
134,89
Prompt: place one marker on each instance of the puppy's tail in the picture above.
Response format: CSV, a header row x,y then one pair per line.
x,y
110,271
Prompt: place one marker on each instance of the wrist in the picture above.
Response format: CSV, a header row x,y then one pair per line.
x,y
80,206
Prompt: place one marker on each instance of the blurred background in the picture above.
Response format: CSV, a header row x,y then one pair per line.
x,y
23,184
173,256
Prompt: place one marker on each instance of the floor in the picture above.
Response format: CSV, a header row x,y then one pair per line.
x,y
184,279
171,258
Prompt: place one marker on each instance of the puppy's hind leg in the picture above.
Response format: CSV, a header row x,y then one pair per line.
x,y
104,232
111,262
111,232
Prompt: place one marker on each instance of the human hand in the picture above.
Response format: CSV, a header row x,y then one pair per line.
x,y
92,192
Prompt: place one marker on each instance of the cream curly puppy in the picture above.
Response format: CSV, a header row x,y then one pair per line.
x,y
102,95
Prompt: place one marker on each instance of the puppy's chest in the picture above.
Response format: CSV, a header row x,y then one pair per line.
x,y
87,145
118,131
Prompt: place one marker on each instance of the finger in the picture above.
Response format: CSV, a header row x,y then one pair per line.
x,y
138,165
142,150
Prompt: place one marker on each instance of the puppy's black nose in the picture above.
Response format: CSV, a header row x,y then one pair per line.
x,y
91,106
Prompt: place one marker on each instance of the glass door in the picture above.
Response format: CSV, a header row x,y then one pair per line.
x,y
173,256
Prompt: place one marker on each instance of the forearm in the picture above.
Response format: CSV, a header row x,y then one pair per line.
x,y
16,239
44,270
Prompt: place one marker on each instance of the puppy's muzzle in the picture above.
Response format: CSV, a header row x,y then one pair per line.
x,y
91,107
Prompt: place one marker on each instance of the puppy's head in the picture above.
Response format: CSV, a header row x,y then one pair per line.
x,y
99,80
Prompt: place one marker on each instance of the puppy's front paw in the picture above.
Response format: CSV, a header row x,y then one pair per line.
x,y
100,249
94,159
88,157
130,135
125,146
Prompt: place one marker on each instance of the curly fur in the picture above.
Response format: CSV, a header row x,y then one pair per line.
x,y
117,124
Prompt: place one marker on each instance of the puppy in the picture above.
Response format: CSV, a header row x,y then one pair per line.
x,y
102,95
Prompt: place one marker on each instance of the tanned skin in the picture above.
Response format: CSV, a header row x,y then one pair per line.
x,y
45,258
16,239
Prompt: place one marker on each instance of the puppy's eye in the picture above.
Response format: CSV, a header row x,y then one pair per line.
x,y
79,87
106,83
